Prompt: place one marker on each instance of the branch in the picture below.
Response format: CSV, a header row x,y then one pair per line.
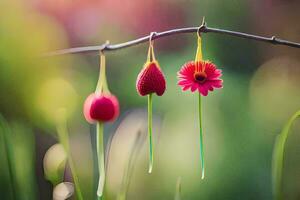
x,y
202,29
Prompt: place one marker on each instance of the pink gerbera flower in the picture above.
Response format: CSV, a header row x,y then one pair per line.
x,y
201,75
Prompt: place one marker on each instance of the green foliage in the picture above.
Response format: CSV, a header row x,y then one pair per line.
x,y
19,144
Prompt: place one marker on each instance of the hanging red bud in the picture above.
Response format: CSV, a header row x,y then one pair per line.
x,y
101,108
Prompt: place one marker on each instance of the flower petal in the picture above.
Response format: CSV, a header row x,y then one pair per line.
x,y
203,91
194,87
186,87
184,82
217,83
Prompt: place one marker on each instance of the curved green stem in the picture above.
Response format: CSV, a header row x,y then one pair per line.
x,y
129,167
100,154
75,178
150,133
201,138
278,155
63,137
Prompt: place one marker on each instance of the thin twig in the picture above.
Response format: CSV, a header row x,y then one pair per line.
x,y
203,29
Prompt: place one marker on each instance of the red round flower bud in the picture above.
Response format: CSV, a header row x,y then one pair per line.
x,y
151,80
101,108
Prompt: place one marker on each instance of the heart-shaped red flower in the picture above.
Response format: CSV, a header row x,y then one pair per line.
x,y
151,80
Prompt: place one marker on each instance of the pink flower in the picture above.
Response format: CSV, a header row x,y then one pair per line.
x,y
201,75
101,108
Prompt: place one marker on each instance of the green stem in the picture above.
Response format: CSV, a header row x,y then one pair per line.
x,y
201,138
278,156
102,82
9,154
64,140
100,154
75,177
150,133
138,142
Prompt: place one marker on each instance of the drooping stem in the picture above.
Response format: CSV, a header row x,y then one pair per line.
x,y
102,87
201,138
151,157
199,49
151,55
100,154
102,82
63,137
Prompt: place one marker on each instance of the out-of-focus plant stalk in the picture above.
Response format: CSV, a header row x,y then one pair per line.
x,y
138,143
178,189
9,153
63,137
278,155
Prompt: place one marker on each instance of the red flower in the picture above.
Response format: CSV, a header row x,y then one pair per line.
x,y
151,80
101,108
201,75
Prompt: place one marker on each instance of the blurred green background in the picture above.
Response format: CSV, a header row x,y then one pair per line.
x,y
241,121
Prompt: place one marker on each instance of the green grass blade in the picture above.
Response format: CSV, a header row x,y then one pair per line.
x,y
134,152
24,154
20,145
5,132
63,136
278,156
